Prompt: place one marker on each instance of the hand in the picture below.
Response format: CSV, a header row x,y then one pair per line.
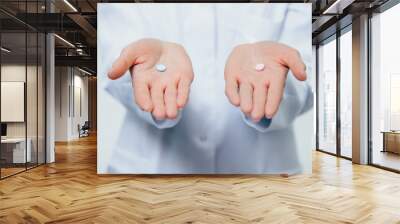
x,y
161,93
259,92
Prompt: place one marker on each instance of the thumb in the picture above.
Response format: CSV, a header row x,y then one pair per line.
x,y
126,60
296,65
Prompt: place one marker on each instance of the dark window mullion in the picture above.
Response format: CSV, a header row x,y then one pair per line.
x,y
317,96
37,91
338,73
26,88
369,83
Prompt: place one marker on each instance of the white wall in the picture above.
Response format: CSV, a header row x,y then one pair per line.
x,y
80,105
71,94
61,103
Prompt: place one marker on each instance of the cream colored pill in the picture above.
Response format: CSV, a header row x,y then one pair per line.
x,y
259,67
161,67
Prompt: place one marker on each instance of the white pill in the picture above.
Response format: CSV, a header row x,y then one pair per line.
x,y
161,67
259,67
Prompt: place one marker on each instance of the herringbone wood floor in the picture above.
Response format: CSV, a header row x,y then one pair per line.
x,y
70,191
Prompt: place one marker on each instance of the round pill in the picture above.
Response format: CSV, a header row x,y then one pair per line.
x,y
259,67
161,67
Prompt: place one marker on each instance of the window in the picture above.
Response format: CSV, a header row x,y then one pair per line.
x,y
385,89
327,97
346,94
394,101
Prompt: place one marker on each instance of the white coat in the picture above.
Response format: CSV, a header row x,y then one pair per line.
x,y
210,135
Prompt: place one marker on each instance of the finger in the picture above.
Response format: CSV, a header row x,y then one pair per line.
x,y
231,91
259,100
246,97
183,92
296,65
126,60
157,96
142,95
170,101
274,97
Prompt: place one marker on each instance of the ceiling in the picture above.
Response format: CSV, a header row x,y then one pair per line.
x,y
76,22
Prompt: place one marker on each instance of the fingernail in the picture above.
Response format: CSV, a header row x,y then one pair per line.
x,y
180,106
172,116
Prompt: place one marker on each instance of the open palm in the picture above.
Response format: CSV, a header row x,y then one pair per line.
x,y
161,92
255,76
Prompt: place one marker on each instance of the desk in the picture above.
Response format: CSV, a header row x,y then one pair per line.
x,y
15,148
391,141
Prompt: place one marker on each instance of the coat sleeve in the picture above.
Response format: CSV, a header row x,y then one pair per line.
x,y
298,96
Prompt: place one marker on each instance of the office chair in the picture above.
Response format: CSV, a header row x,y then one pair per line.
x,y
84,130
